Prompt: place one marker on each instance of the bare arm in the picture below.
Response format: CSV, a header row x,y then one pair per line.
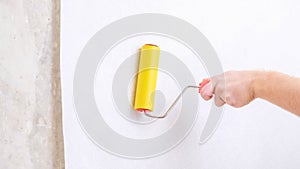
x,y
238,88
280,89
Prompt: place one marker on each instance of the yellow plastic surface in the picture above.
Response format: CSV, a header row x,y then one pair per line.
x,y
147,77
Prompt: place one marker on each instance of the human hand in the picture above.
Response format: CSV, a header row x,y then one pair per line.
x,y
235,88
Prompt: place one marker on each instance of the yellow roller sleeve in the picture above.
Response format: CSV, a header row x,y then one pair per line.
x,y
147,76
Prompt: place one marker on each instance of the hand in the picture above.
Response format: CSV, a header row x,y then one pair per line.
x,y
235,88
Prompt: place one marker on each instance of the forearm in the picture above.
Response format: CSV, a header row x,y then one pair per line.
x,y
279,89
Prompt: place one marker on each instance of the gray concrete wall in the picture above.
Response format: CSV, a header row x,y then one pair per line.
x,y
30,96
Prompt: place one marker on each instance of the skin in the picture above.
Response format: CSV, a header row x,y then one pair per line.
x,y
242,87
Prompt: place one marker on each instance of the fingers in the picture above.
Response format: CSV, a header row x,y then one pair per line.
x,y
206,91
219,101
215,88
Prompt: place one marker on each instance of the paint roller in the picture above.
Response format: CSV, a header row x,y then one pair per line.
x,y
146,82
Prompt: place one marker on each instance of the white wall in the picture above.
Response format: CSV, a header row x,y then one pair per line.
x,y
256,34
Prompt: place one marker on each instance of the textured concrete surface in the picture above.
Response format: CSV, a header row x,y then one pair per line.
x,y
30,97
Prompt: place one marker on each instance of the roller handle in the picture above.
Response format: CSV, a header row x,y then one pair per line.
x,y
203,83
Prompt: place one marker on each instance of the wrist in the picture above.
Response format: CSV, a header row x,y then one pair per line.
x,y
260,83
